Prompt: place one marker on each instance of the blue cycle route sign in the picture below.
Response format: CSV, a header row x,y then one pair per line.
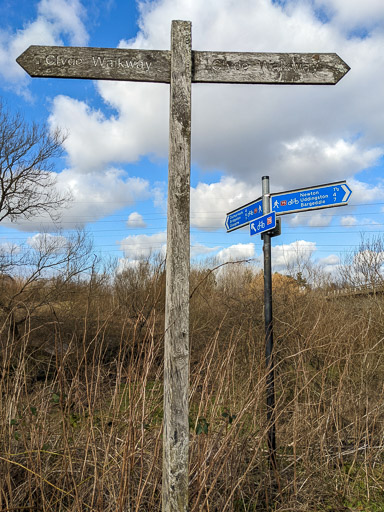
x,y
313,198
262,224
244,215
291,201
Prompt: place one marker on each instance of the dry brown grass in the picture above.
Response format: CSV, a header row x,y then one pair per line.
x,y
81,428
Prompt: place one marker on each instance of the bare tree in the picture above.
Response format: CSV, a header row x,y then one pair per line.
x,y
27,183
365,266
39,274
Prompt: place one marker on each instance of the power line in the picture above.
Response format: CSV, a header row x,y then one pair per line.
x,y
293,231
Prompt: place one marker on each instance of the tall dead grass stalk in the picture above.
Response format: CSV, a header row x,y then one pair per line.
x,y
81,426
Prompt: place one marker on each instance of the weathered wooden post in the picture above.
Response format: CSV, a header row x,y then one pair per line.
x,y
176,341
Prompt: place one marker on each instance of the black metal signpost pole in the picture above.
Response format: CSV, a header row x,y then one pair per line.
x,y
262,221
269,361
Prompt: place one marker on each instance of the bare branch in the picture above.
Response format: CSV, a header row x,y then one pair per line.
x,y
27,180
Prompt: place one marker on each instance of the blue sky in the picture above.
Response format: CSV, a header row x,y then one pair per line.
x,y
115,160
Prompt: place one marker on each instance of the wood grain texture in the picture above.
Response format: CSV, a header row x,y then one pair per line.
x,y
97,63
268,68
176,352
155,65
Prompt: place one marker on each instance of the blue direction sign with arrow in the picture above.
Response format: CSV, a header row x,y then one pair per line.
x,y
243,216
313,198
262,224
291,201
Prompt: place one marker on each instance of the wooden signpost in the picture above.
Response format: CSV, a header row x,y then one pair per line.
x,y
180,67
155,66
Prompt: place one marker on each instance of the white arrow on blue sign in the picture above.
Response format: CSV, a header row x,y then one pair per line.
x,y
265,223
244,215
313,198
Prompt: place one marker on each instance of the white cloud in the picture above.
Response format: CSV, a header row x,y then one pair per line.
x,y
97,195
311,158
332,259
138,247
125,264
7,248
365,193
95,140
135,220
292,256
236,252
313,218
94,196
211,202
47,243
198,249
352,14
348,221
66,16
55,19
319,220
159,196
330,266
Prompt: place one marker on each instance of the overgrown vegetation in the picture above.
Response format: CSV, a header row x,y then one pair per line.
x,y
81,392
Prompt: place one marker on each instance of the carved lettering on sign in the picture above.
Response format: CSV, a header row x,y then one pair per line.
x,y
220,64
266,66
57,60
104,62
53,60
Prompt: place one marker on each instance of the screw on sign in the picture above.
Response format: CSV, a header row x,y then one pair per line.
x,y
180,67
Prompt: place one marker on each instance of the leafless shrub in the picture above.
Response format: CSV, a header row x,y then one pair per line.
x,y
86,432
364,267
